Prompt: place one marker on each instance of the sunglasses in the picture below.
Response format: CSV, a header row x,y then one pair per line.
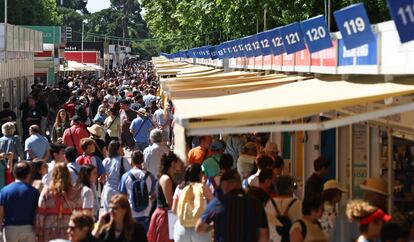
x,y
71,228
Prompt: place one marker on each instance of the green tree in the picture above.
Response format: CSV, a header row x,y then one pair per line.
x,y
73,19
182,24
29,12
74,4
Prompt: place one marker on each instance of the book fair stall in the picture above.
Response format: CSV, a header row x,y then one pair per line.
x,y
345,95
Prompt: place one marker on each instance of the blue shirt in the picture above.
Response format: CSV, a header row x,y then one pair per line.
x,y
141,128
38,144
20,202
74,169
112,168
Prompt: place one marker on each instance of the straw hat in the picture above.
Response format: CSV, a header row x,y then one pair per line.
x,y
142,112
271,147
376,185
333,184
96,130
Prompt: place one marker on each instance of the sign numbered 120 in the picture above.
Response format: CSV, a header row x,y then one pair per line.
x,y
316,34
354,25
402,11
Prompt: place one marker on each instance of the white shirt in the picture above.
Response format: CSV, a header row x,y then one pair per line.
x,y
152,157
111,99
253,180
294,213
126,185
88,198
159,117
48,177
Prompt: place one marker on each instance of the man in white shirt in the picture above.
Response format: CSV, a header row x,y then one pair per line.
x,y
60,154
163,121
150,97
284,202
57,153
154,152
126,187
262,162
70,157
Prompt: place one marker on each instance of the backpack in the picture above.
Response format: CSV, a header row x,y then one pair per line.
x,y
304,229
191,204
283,231
84,159
140,194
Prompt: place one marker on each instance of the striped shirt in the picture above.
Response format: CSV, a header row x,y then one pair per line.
x,y
237,217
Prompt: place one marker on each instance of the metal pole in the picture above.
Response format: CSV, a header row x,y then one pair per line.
x,y
5,11
83,28
5,30
325,5
265,20
329,15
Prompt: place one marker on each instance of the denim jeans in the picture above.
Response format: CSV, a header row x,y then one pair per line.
x,y
141,145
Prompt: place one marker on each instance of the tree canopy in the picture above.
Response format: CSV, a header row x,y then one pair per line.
x,y
182,24
29,12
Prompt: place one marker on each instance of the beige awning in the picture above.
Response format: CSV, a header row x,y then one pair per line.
x,y
218,76
184,70
284,102
232,86
204,73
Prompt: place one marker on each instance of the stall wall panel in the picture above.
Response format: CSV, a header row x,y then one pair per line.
x,y
359,158
375,151
396,58
312,151
328,150
300,154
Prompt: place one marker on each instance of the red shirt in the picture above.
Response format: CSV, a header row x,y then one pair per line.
x,y
70,108
78,132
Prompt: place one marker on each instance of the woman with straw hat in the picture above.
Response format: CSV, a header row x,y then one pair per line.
x,y
331,195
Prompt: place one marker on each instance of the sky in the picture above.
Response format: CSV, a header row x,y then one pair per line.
x,y
97,5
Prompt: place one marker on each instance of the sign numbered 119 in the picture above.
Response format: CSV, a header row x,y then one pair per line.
x,y
354,25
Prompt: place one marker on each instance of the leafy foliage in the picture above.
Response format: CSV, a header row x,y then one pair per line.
x,y
29,12
182,24
72,18
74,4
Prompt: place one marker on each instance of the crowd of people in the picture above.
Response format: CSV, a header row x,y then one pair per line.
x,y
67,175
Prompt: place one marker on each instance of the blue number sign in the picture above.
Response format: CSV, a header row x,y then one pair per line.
x,y
240,47
265,43
276,42
234,49
292,38
248,49
353,23
402,11
228,49
213,52
316,34
254,44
